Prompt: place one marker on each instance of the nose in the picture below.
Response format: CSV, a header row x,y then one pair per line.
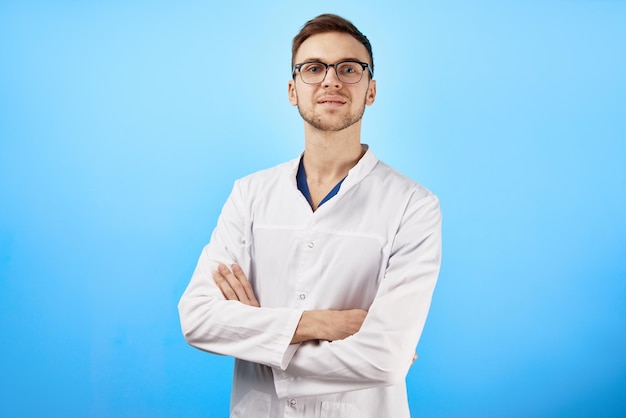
x,y
331,78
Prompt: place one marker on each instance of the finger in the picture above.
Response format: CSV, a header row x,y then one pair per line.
x,y
224,287
232,282
236,285
247,287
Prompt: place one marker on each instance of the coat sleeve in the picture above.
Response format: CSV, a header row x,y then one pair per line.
x,y
213,324
381,352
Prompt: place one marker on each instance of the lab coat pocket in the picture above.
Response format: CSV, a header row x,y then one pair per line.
x,y
253,404
338,409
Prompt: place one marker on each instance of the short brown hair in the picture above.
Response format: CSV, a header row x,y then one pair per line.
x,y
329,23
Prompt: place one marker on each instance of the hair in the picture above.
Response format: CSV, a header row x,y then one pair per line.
x,y
329,23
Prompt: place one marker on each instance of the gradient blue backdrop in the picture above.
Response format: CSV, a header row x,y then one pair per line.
x,y
123,125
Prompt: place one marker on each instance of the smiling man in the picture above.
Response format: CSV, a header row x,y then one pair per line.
x,y
319,274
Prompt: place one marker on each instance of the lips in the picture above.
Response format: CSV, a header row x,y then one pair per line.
x,y
332,100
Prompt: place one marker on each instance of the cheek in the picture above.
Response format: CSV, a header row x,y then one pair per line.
x,y
303,96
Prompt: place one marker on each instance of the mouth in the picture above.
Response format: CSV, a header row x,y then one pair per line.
x,y
332,101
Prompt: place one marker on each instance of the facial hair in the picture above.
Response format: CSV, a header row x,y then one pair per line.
x,y
323,123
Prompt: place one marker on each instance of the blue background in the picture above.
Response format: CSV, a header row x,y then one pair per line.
x,y
123,125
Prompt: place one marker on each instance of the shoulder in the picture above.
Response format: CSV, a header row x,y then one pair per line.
x,y
417,210
267,179
393,182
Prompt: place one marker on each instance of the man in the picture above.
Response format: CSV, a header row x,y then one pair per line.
x,y
319,275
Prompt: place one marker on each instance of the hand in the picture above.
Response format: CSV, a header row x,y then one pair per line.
x,y
234,284
328,325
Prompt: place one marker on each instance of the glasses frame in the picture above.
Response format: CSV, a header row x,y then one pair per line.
x,y
365,65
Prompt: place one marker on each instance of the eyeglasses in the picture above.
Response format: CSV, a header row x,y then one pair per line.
x,y
348,72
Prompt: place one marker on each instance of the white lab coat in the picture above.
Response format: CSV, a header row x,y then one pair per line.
x,y
376,245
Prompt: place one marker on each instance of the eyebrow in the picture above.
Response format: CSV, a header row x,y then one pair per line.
x,y
339,60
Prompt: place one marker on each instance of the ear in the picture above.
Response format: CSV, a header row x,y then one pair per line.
x,y
371,93
293,95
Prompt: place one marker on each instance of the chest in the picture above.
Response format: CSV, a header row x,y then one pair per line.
x,y
316,269
333,258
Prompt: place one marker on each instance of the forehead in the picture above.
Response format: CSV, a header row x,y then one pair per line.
x,y
331,47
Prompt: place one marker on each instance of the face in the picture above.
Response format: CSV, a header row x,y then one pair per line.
x,y
332,105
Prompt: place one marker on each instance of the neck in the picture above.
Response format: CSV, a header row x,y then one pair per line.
x,y
328,156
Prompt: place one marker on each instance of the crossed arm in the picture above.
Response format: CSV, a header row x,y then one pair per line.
x,y
328,325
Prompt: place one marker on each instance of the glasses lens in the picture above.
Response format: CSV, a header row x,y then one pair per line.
x,y
313,72
349,72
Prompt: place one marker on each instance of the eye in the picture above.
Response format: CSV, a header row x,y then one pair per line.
x,y
350,68
312,68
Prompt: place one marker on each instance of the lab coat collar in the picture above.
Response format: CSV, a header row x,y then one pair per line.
x,y
365,165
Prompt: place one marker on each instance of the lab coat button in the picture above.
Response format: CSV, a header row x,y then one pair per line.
x,y
302,296
292,402
311,244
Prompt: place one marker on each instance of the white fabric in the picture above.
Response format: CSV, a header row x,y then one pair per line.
x,y
376,245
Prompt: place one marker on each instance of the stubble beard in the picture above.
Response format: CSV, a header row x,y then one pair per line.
x,y
328,124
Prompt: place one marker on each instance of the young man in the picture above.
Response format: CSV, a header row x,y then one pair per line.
x,y
319,275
